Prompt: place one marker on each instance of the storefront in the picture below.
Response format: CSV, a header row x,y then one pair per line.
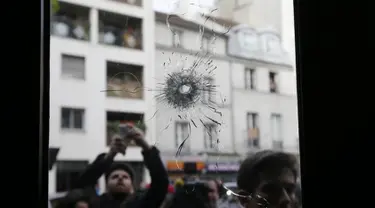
x,y
180,168
225,171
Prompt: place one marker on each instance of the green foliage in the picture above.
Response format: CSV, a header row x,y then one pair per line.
x,y
55,6
113,126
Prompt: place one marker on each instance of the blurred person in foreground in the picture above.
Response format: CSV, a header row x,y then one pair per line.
x,y
168,198
192,195
213,194
78,198
120,177
225,197
268,179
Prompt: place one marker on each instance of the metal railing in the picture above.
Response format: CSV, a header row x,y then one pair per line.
x,y
68,27
131,2
123,37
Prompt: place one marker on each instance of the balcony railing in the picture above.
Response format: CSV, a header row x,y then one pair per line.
x,y
68,27
128,37
131,2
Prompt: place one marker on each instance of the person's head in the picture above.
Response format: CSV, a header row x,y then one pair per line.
x,y
213,194
120,179
77,199
82,204
269,178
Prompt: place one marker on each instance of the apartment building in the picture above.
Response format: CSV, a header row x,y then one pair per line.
x,y
178,43
101,56
266,99
253,74
265,102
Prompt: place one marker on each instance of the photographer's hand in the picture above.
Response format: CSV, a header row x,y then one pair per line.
x,y
138,136
117,145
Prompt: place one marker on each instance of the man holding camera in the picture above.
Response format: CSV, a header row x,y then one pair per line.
x,y
120,177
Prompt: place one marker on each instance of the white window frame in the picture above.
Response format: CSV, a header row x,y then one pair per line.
x,y
276,130
64,71
210,135
177,33
181,132
276,80
252,121
71,118
250,79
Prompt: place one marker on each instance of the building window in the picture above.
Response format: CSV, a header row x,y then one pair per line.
x,y
72,118
71,21
182,132
206,43
207,93
68,173
253,136
177,37
73,67
249,78
120,30
114,119
276,133
273,82
124,80
210,136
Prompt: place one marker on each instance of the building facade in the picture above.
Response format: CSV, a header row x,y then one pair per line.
x,y
255,13
266,37
253,74
178,43
98,49
265,102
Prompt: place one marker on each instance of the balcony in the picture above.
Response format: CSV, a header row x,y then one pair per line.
x,y
124,80
116,118
120,30
71,21
130,2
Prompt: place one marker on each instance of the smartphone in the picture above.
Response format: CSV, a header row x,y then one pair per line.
x,y
124,130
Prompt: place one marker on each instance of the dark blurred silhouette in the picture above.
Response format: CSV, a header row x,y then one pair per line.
x,y
193,194
79,198
269,178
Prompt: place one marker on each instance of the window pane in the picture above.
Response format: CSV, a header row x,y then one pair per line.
x,y
67,174
65,118
78,119
73,66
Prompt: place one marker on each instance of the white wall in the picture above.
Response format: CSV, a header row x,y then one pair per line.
x,y
86,144
190,39
264,103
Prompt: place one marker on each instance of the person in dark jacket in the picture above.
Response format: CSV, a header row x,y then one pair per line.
x,y
78,198
268,179
120,177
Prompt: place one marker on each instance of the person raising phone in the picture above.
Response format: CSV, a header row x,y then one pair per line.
x,y
120,177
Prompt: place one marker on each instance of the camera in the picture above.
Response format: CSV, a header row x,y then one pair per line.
x,y
124,130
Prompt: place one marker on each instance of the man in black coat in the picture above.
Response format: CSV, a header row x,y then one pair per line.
x,y
120,177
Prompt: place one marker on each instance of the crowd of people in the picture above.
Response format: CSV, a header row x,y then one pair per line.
x,y
266,179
